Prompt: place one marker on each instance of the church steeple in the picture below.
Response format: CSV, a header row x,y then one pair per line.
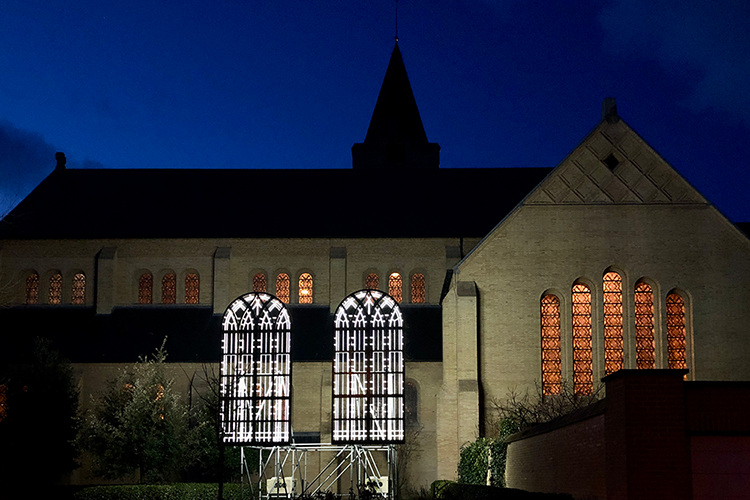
x,y
396,138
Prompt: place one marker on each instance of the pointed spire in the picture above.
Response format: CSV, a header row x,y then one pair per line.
x,y
396,136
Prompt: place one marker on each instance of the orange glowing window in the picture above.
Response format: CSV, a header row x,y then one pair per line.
x,y
145,288
32,288
417,288
169,289
259,283
305,288
79,289
282,287
645,350
394,286
55,288
676,332
583,367
551,352
372,282
192,289
613,345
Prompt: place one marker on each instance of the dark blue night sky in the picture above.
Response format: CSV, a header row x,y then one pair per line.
x,y
292,84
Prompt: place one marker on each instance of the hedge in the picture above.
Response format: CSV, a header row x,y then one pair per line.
x,y
177,491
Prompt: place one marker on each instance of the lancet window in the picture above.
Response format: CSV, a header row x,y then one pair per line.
x,y
259,283
676,332
645,349
372,282
411,404
368,370
613,342
192,288
169,289
282,287
551,346
145,288
255,374
55,288
394,286
32,288
417,288
583,368
78,295
305,288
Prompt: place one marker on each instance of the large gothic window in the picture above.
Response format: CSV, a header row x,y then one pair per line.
x,y
78,295
372,282
613,342
192,289
32,288
368,370
282,287
551,346
259,283
169,289
255,375
55,288
676,332
394,286
645,351
305,288
417,288
145,288
583,368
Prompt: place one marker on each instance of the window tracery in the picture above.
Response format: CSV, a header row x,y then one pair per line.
x,y
259,283
372,282
305,288
55,289
417,288
645,350
192,289
394,286
613,342
282,287
78,295
583,368
145,288
551,346
169,289
32,288
676,332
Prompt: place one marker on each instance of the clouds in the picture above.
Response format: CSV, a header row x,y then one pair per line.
x,y
705,43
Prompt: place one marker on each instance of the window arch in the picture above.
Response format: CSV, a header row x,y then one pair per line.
x,y
551,345
411,404
55,288
372,281
32,288
78,295
394,286
305,288
612,313
169,289
645,349
192,288
676,332
417,288
583,366
282,287
259,283
145,288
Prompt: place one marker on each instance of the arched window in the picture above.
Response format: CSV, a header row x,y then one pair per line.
x,y
583,367
55,289
145,288
282,287
79,289
259,283
676,332
551,346
411,404
394,286
613,344
192,289
417,288
372,282
169,289
32,288
305,288
645,350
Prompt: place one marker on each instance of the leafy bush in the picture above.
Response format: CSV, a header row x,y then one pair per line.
x,y
473,462
178,491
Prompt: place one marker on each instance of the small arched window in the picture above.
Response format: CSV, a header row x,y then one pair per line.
x,y
282,287
55,289
645,351
259,283
372,282
394,286
613,344
78,295
169,289
305,288
583,367
551,346
417,288
676,332
145,288
192,288
32,288
411,404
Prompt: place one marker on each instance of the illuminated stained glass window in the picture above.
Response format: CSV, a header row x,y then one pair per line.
x,y
79,289
255,376
411,402
3,402
368,370
417,288
259,283
192,289
145,288
372,282
32,288
305,288
645,351
282,287
55,289
394,286
169,289
551,346
613,344
676,332
583,367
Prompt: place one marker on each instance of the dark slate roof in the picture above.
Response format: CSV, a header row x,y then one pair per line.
x,y
193,333
244,203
